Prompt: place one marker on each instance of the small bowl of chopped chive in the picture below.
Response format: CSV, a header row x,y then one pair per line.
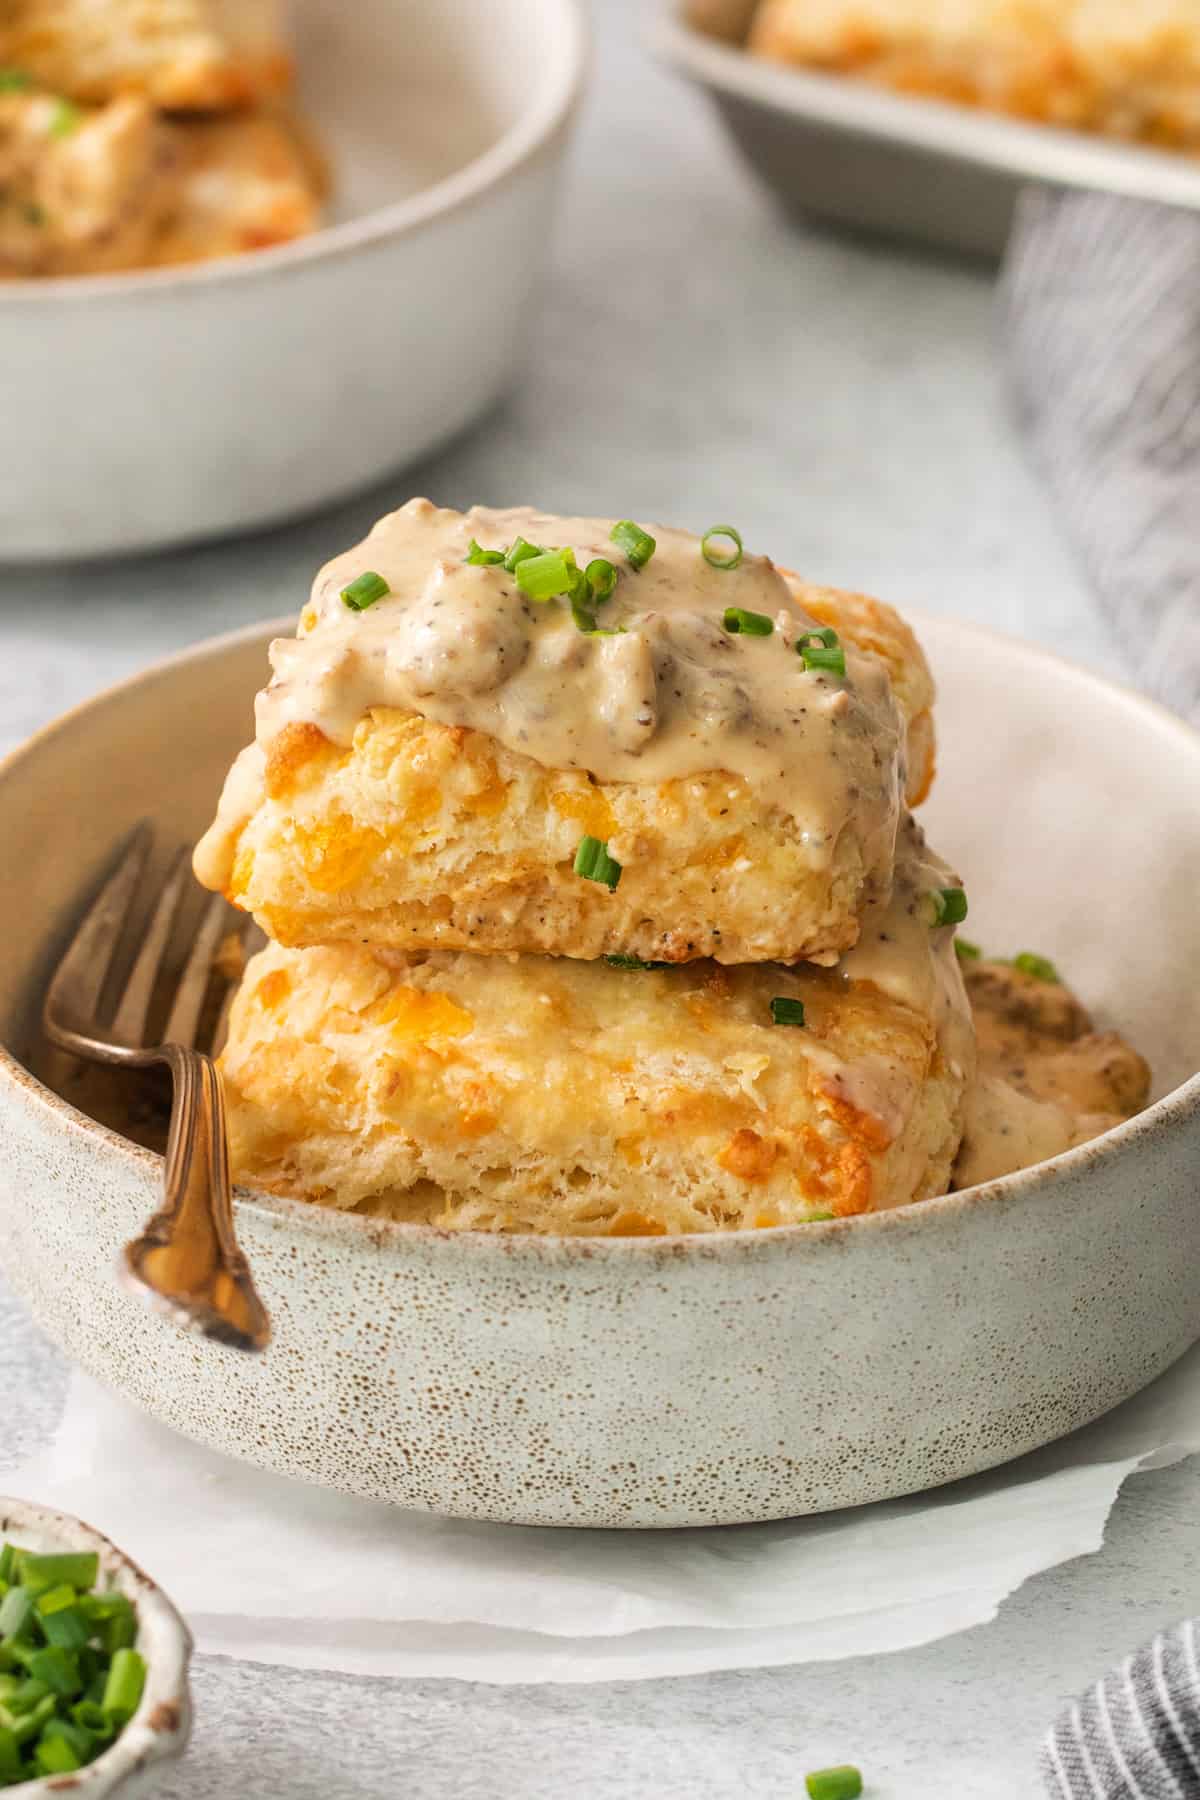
x,y
93,1661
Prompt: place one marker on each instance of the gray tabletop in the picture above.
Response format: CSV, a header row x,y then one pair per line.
x,y
696,357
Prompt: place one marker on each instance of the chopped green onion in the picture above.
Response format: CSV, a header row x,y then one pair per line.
x,y
542,577
29,1693
814,1218
15,81
844,1783
747,624
65,119
966,951
364,591
787,1012
56,1670
54,1756
30,1724
70,1678
92,1716
16,1609
123,1689
517,553
40,1573
949,906
66,1627
593,862
637,544
56,1599
718,561
1040,967
822,650
582,602
601,579
479,556
633,962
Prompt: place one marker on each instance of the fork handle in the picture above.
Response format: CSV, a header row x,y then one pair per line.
x,y
187,1261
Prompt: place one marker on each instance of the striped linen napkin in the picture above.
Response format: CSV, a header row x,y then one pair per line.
x,y
1100,313
1136,1735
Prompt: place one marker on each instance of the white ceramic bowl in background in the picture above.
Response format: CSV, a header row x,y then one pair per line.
x,y
160,1727
141,410
659,1381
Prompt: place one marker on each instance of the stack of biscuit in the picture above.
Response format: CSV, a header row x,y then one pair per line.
x,y
596,900
139,133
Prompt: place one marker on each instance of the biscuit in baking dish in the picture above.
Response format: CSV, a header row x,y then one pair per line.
x,y
415,827
549,1095
182,54
1129,68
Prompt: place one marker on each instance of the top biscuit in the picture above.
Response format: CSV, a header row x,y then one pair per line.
x,y
708,762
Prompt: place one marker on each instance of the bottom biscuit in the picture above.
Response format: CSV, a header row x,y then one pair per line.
x,y
538,1094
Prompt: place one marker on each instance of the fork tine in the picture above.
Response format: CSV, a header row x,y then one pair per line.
x,y
79,979
129,1025
189,997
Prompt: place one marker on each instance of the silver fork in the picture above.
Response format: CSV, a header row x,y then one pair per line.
x,y
187,1261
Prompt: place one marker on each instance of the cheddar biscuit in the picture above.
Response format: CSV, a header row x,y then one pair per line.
x,y
535,1094
429,774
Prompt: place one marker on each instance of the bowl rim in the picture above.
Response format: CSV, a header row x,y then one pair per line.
x,y
151,1733
522,142
1168,1114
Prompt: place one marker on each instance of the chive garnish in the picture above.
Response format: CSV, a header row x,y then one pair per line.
x,y
842,1783
593,862
364,591
633,962
65,119
747,624
480,557
1040,967
730,559
70,1678
787,1012
601,579
949,905
15,81
517,553
637,544
123,1688
966,951
543,576
822,650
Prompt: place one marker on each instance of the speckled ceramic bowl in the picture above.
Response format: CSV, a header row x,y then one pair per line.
x,y
652,1381
159,1728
